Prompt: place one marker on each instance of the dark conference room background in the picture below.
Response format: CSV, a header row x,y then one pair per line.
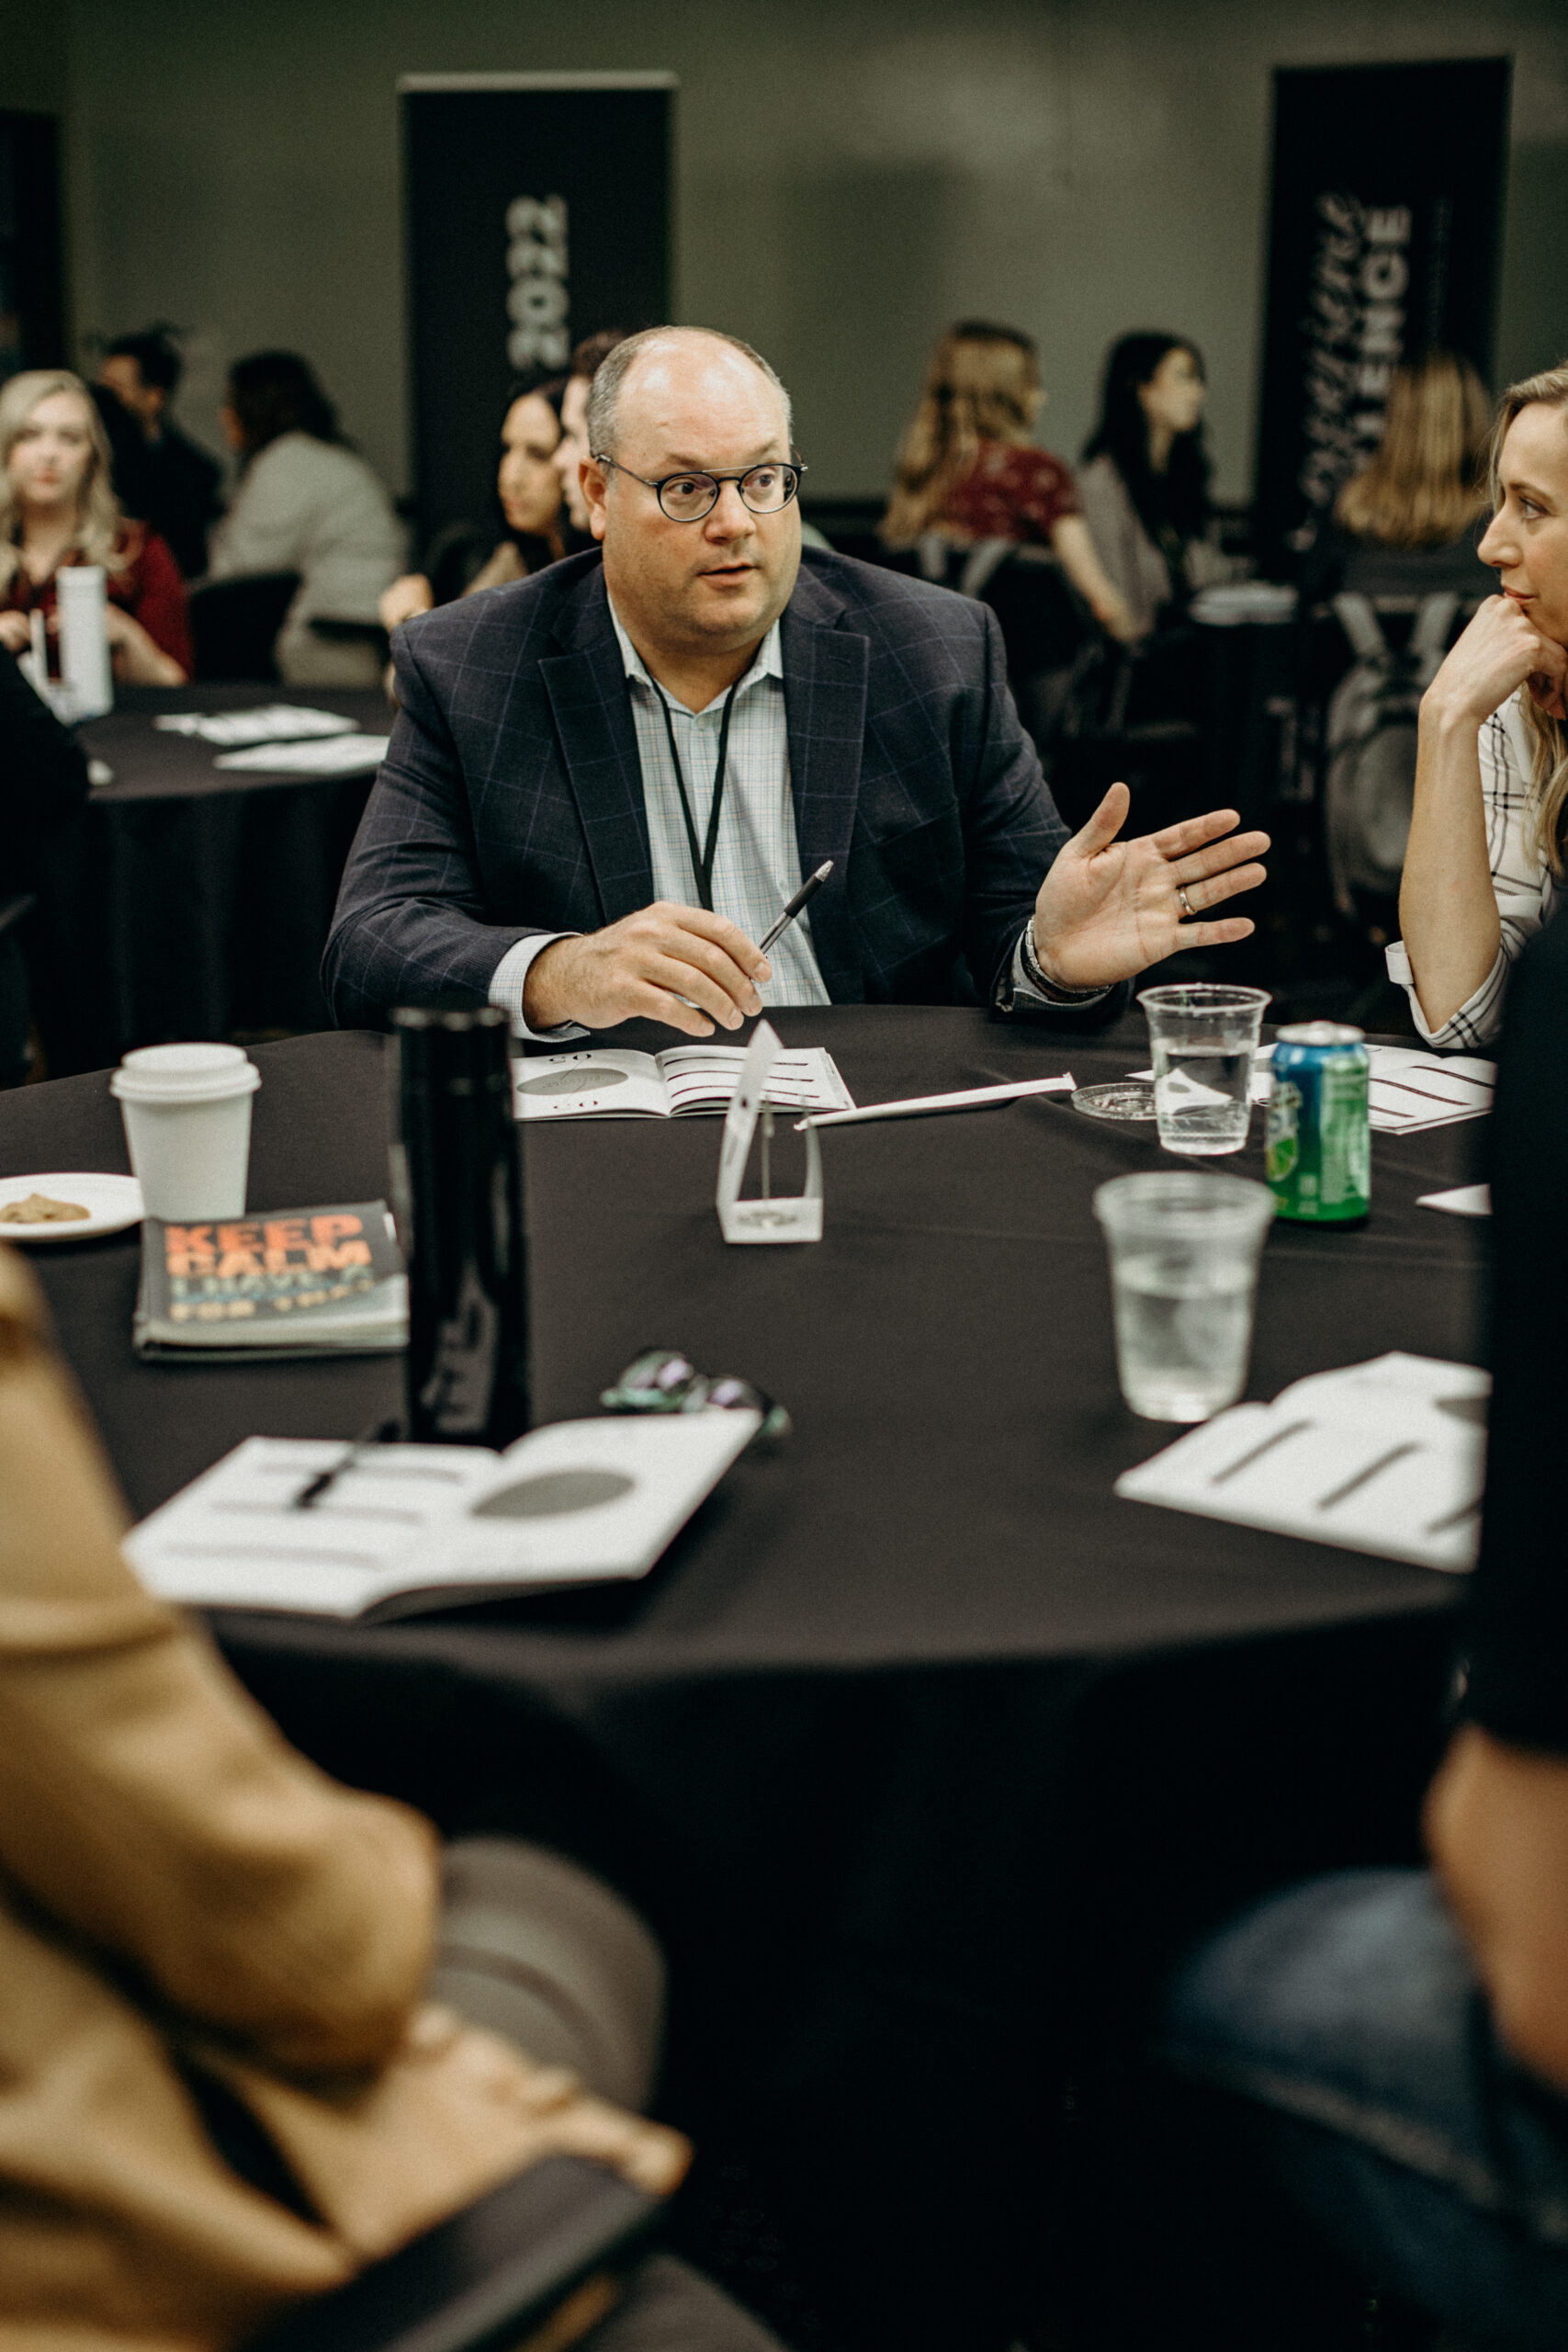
x,y
848,178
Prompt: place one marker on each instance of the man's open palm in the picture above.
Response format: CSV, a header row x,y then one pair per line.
x,y
1108,908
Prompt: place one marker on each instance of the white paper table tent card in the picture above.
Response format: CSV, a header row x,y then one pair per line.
x,y
766,1219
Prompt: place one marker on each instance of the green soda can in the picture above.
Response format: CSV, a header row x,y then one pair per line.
x,y
1318,1144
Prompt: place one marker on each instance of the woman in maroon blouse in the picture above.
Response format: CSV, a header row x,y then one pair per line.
x,y
56,508
967,469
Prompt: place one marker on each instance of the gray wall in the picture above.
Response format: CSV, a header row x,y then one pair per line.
x,y
852,174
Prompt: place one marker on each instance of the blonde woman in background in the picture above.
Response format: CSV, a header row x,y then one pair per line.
x,y
1410,523
968,468
57,509
1486,865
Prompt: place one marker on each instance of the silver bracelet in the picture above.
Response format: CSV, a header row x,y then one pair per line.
x,y
1038,977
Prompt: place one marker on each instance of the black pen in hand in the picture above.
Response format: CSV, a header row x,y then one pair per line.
x,y
802,898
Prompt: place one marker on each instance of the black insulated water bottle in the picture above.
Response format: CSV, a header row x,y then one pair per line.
x,y
457,1196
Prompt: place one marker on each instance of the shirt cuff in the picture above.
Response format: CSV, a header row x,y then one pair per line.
x,y
1026,984
506,984
1477,1021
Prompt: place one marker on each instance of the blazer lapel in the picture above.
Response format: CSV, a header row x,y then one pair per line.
x,y
825,675
586,684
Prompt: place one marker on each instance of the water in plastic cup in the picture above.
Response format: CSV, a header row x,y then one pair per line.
x,y
1184,1251
187,1127
1203,1037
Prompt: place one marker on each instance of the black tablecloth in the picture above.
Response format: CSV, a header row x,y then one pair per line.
x,y
918,1726
187,900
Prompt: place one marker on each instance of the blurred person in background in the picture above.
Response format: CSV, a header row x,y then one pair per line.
x,y
159,475
967,469
1145,480
572,447
1410,523
1487,857
307,503
529,490
57,508
44,774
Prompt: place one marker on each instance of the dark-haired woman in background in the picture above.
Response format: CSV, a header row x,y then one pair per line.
x,y
307,503
1144,481
968,470
528,488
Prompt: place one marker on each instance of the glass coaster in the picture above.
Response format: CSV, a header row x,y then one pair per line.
x,y
1128,1099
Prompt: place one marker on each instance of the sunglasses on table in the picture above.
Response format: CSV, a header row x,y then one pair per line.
x,y
661,1380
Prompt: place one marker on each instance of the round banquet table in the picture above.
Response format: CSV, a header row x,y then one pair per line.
x,y
922,1749
187,900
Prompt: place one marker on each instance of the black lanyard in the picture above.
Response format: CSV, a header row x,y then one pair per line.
x,y
702,860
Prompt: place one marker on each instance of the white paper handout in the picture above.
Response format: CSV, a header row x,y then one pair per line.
x,y
1464,1199
1388,1456
682,1082
1411,1090
332,756
274,723
410,1528
767,1220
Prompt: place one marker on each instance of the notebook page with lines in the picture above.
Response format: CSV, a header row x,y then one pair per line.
x,y
1387,1458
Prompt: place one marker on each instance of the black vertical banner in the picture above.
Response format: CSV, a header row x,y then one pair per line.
x,y
1383,240
537,211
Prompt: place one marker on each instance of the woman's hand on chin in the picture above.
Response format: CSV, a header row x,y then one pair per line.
x,y
1500,649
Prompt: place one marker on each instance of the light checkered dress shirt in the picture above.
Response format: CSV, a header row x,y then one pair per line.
x,y
1527,896
756,868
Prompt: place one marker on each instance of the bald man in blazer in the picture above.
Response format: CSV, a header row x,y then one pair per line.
x,y
544,833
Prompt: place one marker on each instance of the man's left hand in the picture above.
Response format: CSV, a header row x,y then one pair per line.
x,y
1108,909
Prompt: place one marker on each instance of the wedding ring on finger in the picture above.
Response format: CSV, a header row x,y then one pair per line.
x,y
1186,902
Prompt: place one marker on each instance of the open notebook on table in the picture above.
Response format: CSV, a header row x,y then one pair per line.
x,y
682,1082
1387,1458
407,1529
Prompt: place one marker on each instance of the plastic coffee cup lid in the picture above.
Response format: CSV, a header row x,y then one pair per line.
x,y
184,1074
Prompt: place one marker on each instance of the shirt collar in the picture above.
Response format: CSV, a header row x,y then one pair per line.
x,y
767,662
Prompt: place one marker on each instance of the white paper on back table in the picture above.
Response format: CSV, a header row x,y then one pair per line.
x,y
332,756
273,722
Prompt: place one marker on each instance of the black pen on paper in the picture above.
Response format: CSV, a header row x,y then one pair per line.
x,y
802,898
379,1433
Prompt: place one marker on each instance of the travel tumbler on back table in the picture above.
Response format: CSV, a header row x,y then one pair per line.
x,y
458,1192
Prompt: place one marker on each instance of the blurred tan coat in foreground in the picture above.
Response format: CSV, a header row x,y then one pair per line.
x,y
174,1879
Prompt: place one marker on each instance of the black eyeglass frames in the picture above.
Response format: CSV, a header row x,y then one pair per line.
x,y
687,497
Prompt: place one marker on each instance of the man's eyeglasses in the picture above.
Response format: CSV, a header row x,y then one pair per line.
x,y
687,497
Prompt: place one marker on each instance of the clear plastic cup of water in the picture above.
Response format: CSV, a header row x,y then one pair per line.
x,y
1203,1036
1184,1251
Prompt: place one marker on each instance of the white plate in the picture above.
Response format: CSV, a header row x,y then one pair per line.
x,y
115,1202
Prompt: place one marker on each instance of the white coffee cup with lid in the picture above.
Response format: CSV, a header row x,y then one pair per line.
x,y
188,1126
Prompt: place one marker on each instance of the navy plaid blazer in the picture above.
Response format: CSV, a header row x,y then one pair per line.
x,y
511,800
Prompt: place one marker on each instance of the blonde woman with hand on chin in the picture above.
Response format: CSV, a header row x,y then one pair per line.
x,y
1486,867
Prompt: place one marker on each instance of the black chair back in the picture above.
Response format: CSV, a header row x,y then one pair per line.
x,y
234,623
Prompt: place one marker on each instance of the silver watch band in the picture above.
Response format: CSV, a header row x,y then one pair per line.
x,y
1046,986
